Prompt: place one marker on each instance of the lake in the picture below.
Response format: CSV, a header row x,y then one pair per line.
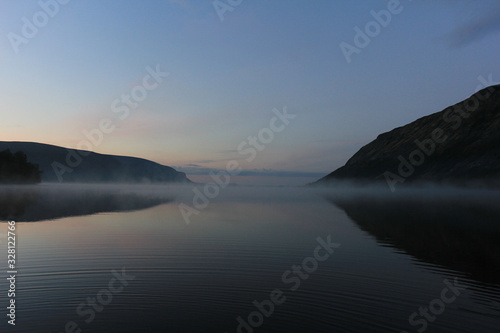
x,y
267,259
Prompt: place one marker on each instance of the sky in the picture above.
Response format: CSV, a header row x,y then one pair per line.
x,y
189,83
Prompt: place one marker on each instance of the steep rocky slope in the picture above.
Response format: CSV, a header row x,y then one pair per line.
x,y
459,145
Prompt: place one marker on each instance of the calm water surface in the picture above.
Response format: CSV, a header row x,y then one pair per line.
x,y
394,258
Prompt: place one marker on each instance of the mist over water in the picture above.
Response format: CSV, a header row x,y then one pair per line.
x,y
395,250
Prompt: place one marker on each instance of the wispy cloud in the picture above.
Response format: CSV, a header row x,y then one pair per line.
x,y
227,151
193,169
476,29
280,173
204,161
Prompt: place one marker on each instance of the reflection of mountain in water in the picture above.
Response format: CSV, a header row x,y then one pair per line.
x,y
37,204
462,235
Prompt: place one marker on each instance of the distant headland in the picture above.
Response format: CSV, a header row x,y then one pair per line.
x,y
58,164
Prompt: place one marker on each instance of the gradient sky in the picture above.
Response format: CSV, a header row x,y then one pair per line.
x,y
226,77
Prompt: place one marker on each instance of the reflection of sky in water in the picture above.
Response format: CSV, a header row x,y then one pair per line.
x,y
200,277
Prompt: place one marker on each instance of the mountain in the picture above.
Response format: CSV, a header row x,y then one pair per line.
x,y
459,145
60,164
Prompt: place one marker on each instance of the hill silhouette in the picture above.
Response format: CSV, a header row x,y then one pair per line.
x,y
459,145
65,165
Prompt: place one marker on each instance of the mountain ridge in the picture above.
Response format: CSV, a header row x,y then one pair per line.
x,y
458,145
60,164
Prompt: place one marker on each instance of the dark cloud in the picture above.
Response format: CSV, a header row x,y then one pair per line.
x,y
476,29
